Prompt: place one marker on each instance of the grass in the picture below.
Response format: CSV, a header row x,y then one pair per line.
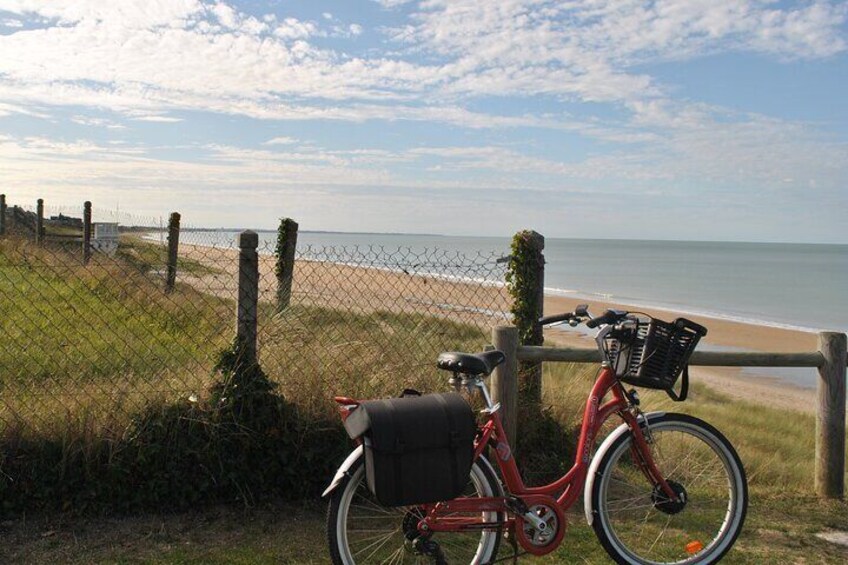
x,y
99,362
146,255
783,516
105,330
316,353
91,338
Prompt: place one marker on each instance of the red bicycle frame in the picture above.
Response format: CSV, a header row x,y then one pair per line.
x,y
463,514
569,485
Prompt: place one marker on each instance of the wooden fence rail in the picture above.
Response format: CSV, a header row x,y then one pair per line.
x,y
831,361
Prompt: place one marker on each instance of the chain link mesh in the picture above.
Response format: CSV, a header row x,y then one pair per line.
x,y
87,346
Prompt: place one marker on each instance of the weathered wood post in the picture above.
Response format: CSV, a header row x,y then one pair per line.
x,y
86,232
173,250
284,269
505,378
39,222
2,215
526,279
830,416
248,297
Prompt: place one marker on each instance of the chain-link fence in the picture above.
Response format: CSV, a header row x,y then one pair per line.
x,y
90,339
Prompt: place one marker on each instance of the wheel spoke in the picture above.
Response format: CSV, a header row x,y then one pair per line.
x,y
365,531
641,524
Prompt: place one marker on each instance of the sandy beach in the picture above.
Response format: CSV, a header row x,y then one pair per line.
x,y
724,333
364,289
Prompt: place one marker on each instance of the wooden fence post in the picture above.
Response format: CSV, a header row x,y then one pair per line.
x,y
830,416
505,378
284,269
528,278
248,297
2,215
39,222
173,249
86,232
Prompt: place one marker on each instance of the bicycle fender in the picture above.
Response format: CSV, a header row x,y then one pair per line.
x,y
596,462
343,469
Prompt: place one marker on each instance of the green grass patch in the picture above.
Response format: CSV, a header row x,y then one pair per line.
x,y
150,256
63,321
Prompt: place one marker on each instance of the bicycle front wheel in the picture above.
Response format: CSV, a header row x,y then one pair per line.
x,y
637,523
360,530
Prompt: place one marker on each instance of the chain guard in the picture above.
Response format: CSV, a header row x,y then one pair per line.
x,y
534,541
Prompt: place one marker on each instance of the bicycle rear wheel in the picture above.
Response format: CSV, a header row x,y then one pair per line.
x,y
637,523
360,530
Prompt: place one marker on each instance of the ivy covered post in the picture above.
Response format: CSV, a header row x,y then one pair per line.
x,y
526,283
284,268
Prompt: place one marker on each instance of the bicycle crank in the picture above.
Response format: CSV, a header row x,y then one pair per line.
x,y
541,528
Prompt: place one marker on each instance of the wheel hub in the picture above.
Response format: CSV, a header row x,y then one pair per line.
x,y
664,504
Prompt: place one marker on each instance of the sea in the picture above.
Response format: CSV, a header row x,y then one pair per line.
x,y
787,285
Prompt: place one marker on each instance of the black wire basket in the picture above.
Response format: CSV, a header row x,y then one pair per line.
x,y
656,352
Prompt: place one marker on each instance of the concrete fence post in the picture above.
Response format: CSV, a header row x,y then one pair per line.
x,y
2,215
86,232
286,246
173,250
248,297
830,416
505,378
39,222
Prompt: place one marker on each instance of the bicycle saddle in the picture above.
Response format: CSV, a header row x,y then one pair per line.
x,y
476,365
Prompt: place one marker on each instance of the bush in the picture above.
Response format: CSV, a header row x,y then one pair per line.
x,y
244,443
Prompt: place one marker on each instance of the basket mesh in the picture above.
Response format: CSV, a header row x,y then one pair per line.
x,y
657,353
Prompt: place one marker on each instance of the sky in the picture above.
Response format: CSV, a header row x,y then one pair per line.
x,y
684,119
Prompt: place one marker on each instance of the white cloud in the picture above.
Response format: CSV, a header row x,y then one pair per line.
x,y
96,122
392,3
139,15
9,109
281,141
145,59
189,54
157,119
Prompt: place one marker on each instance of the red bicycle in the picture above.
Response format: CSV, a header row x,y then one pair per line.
x,y
661,488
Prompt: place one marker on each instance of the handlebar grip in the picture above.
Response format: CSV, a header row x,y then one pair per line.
x,y
555,318
608,317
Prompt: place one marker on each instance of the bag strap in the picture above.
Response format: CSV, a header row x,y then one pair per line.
x,y
684,387
454,440
396,451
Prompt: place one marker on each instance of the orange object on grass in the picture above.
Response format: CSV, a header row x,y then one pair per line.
x,y
694,547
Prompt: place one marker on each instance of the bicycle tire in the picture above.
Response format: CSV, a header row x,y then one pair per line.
x,y
482,480
649,529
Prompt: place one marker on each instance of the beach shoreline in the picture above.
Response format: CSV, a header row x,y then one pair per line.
x,y
732,381
361,287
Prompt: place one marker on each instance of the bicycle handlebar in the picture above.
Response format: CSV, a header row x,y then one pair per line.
x,y
608,317
556,318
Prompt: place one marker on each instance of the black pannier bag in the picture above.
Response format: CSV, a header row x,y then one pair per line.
x,y
418,449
